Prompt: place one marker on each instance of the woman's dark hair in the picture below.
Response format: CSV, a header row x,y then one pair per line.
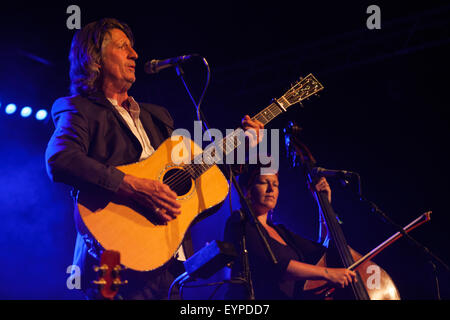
x,y
248,177
246,180
86,54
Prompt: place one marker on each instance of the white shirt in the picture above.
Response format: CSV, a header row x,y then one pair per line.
x,y
135,125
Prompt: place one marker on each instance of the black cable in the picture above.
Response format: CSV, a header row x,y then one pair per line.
x,y
181,278
201,117
215,291
180,73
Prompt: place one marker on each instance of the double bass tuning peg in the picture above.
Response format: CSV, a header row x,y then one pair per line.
x,y
101,282
117,283
116,271
101,270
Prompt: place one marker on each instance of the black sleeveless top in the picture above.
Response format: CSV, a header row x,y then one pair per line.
x,y
268,279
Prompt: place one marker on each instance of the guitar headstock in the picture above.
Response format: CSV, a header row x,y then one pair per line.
x,y
302,89
109,280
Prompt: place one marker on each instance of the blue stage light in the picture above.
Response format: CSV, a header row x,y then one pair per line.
x,y
10,108
41,114
26,112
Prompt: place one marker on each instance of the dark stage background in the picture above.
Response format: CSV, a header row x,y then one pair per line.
x,y
382,114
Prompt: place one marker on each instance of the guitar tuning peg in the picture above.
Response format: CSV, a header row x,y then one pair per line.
x,y
100,282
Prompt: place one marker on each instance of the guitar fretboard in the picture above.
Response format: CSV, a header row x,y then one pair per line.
x,y
272,111
220,149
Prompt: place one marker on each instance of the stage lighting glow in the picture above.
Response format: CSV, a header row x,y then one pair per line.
x,y
41,114
10,108
26,112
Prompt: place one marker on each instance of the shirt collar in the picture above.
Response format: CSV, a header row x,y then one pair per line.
x,y
134,106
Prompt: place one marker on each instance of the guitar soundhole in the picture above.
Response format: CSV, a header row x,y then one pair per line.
x,y
178,180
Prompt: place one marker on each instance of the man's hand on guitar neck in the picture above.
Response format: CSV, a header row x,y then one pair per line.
x,y
153,195
252,130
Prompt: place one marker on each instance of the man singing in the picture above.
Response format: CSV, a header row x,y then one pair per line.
x,y
100,127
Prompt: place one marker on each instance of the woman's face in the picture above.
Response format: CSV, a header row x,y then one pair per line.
x,y
264,191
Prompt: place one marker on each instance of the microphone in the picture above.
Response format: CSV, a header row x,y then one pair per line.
x,y
154,66
327,173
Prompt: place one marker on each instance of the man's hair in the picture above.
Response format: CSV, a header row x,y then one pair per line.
x,y
86,52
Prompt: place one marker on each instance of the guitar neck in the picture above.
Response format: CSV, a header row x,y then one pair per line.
x,y
303,89
233,140
272,111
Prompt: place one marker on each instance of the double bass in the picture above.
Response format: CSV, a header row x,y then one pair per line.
x,y
373,282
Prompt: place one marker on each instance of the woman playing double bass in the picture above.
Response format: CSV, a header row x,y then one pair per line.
x,y
296,255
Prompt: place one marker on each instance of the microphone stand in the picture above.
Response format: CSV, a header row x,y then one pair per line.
x,y
244,253
386,219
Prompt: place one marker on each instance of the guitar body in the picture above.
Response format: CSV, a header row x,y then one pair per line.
x,y
143,244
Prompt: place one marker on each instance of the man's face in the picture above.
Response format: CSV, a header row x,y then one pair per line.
x,y
118,60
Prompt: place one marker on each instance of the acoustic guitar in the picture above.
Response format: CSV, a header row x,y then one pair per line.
x,y
143,243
